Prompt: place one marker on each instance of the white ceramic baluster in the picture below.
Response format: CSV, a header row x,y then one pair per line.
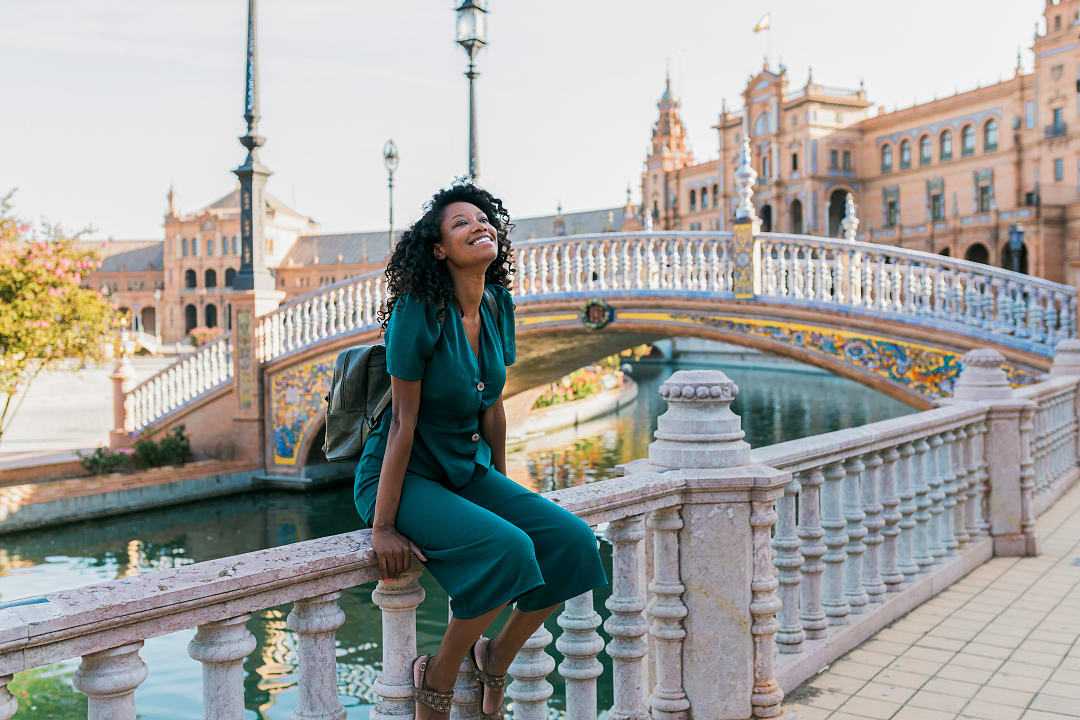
x,y
398,600
1027,478
812,548
936,480
8,704
316,621
108,679
580,645
906,479
890,501
960,484
627,625
571,267
856,531
832,520
221,648
789,563
764,604
922,469
530,689
948,482
666,611
871,487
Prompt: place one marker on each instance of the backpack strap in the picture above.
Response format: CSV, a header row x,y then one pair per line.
x,y
384,402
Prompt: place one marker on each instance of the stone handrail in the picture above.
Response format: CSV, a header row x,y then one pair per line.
x,y
911,285
183,382
870,522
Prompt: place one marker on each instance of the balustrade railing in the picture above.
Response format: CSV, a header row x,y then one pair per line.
x,y
190,378
825,540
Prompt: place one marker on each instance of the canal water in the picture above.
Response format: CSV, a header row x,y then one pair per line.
x,y
776,404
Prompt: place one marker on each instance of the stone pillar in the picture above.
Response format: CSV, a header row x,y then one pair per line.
x,y
397,599
1007,450
316,621
248,410
221,648
108,679
730,644
123,377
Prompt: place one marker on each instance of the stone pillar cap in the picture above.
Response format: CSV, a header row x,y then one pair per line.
x,y
982,377
699,430
1066,358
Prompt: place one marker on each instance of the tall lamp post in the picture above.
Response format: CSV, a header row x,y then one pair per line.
x,y
391,159
471,31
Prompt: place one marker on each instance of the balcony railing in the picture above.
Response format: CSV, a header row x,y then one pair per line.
x,y
1056,130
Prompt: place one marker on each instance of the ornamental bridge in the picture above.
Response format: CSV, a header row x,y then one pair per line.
x,y
894,319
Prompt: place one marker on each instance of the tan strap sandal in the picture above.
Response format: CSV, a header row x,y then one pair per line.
x,y
490,681
437,700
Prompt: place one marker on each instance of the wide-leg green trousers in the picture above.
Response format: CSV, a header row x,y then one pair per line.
x,y
493,542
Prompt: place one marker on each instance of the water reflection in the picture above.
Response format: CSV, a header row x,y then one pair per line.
x,y
774,405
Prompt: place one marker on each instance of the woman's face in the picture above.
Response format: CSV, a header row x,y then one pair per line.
x,y
468,238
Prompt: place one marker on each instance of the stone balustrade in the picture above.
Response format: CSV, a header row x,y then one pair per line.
x,y
737,574
189,379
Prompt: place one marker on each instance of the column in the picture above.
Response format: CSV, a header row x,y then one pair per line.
x,y
221,648
627,625
580,645
813,549
108,679
667,612
316,621
397,599
530,689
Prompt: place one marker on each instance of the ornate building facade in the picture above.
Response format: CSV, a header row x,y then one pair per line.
x,y
956,176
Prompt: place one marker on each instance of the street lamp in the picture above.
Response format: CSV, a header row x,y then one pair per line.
x,y
471,31
1016,245
391,159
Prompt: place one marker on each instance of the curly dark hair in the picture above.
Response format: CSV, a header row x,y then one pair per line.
x,y
413,268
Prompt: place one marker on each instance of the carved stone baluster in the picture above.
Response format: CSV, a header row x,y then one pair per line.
x,y
574,268
590,276
315,622
1027,480
764,604
832,520
580,645
922,469
666,612
640,270
871,487
788,562
974,484
545,269
935,479
856,531
948,482
398,600
108,679
1052,334
627,625
811,534
221,648
960,484
891,574
530,689
8,704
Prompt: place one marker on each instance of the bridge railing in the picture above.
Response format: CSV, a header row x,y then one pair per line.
x,y
898,282
870,523
186,381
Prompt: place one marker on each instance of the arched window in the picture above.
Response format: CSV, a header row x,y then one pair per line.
x,y
210,247
796,217
190,279
693,200
967,141
886,158
191,318
945,151
990,136
905,154
704,198
230,277
715,195
925,151
977,253
761,125
183,245
235,245
210,279
211,315
766,218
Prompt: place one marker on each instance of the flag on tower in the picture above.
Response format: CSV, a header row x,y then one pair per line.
x,y
763,23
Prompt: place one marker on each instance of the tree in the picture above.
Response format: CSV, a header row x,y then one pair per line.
x,y
46,317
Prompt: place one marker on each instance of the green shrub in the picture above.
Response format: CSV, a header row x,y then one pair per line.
x,y
103,461
173,449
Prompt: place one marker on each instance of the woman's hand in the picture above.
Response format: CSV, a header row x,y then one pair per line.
x,y
392,550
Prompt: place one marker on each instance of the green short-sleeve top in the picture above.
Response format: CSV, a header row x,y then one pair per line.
x,y
457,386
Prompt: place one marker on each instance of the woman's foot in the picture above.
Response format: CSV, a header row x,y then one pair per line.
x,y
432,703
492,676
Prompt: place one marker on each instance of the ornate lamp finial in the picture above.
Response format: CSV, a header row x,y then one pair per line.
x,y
745,177
850,223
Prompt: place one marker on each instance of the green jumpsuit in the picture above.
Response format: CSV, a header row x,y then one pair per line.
x,y
488,541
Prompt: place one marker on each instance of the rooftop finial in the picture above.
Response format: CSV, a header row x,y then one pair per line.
x,y
667,81
251,80
810,76
171,199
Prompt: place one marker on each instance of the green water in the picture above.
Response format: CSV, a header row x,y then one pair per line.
x,y
776,405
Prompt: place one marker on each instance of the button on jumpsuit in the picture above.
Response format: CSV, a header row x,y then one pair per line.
x,y
488,541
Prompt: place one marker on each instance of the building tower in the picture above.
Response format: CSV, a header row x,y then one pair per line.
x,y
667,155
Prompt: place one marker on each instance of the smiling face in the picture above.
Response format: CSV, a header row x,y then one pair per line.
x,y
468,238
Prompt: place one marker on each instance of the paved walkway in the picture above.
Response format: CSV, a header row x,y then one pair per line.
x,y
1002,644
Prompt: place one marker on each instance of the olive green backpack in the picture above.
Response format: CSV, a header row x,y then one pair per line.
x,y
360,393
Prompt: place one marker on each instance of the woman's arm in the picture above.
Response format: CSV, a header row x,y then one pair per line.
x,y
493,426
391,548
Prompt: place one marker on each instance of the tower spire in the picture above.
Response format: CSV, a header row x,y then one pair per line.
x,y
253,273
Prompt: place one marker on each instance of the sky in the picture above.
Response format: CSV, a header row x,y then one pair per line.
x,y
104,103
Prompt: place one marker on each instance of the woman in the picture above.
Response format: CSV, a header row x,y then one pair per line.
x,y
432,478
